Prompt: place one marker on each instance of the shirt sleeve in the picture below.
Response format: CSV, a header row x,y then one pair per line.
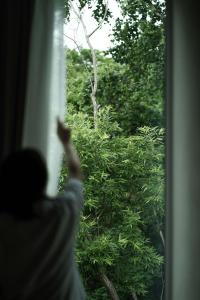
x,y
73,194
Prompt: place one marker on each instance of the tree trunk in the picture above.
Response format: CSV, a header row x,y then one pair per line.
x,y
110,287
94,81
134,296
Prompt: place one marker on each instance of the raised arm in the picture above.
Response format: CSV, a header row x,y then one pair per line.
x,y
73,162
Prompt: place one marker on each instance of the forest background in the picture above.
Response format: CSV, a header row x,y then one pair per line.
x,y
115,107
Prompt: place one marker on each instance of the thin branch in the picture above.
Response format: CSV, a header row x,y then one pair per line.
x,y
77,27
78,14
73,40
134,296
79,50
162,238
109,286
163,287
94,63
101,23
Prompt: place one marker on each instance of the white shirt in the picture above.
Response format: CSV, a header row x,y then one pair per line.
x,y
37,256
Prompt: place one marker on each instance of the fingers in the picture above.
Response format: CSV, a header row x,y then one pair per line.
x,y
64,133
59,123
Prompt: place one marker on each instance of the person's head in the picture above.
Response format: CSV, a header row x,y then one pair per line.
x,y
23,179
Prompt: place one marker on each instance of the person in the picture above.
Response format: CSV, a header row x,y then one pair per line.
x,y
37,233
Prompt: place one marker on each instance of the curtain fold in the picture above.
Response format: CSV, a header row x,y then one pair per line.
x,y
45,89
32,79
15,27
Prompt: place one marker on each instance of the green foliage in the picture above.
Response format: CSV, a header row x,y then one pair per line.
x,y
121,176
139,34
122,159
135,104
77,68
139,43
98,9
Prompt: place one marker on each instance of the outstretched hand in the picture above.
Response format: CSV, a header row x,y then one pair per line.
x,y
64,133
73,162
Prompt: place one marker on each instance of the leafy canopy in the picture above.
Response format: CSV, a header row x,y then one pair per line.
x,y
120,204
122,158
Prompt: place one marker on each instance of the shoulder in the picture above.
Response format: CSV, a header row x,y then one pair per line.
x,y
74,184
71,199
67,204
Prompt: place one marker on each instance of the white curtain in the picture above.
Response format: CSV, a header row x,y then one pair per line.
x,y
45,92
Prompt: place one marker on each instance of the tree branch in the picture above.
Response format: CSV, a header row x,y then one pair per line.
x,y
73,40
134,296
163,287
162,238
94,64
79,50
101,23
109,286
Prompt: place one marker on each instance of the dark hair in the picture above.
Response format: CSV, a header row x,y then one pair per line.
x,y
23,179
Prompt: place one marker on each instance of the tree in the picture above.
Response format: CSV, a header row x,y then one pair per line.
x,y
77,8
136,105
113,244
121,241
139,39
139,43
99,7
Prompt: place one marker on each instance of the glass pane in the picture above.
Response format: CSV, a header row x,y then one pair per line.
x,y
115,92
